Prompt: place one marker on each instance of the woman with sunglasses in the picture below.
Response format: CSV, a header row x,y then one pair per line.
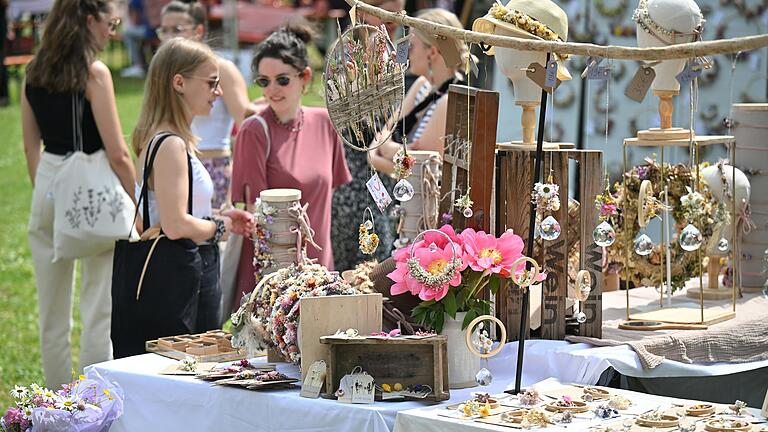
x,y
296,147
182,83
66,69
188,20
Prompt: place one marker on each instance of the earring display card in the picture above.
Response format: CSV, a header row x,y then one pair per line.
x,y
378,192
344,393
314,381
362,388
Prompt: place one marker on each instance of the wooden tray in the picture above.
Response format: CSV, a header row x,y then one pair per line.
x,y
667,420
716,425
209,347
700,410
597,393
579,407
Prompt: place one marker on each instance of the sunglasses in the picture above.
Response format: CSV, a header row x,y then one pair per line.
x,y
281,80
213,83
114,23
169,32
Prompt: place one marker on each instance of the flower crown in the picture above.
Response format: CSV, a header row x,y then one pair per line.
x,y
644,20
523,22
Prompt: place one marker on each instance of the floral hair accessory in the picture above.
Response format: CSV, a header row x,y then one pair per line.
x,y
619,402
403,163
530,397
606,203
523,22
188,364
546,196
643,18
605,411
534,418
473,408
465,203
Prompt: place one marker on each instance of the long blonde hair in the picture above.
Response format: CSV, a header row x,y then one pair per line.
x,y
162,103
444,17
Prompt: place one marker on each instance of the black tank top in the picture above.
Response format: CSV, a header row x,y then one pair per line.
x,y
53,112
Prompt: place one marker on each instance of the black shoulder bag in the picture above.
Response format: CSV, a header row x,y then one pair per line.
x,y
155,282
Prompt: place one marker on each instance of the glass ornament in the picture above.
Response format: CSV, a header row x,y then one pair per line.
x,y
690,238
643,244
604,234
581,317
549,229
723,245
483,377
403,190
468,212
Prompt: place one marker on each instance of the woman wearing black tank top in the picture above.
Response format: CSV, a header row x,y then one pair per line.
x,y
64,67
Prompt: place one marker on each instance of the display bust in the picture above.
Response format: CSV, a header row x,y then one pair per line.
x,y
529,19
662,23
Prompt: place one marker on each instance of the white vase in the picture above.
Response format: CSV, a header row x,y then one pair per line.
x,y
462,364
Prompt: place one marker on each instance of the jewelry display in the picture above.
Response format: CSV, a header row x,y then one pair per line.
x,y
481,345
465,203
530,397
546,197
604,235
690,237
438,276
367,239
404,162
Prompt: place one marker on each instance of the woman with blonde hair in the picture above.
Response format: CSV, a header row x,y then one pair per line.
x,y
182,82
425,106
64,73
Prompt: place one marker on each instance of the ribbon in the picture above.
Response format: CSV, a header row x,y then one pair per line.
x,y
744,218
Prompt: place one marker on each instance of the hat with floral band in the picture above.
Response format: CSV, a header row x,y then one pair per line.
x,y
529,19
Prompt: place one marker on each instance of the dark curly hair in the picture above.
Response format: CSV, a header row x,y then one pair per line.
x,y
288,44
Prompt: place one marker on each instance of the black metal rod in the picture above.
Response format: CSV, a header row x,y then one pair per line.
x,y
531,228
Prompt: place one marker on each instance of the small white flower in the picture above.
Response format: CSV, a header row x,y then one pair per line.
x,y
19,392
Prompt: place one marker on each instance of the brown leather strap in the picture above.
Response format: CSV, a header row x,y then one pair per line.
x,y
146,263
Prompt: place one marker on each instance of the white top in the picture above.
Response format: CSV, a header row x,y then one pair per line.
x,y
215,129
202,190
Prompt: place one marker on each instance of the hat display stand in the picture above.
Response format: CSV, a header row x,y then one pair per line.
x,y
750,122
420,212
662,23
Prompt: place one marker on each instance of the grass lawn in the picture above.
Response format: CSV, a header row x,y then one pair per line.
x,y
20,361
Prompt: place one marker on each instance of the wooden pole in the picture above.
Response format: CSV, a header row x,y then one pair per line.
x,y
680,51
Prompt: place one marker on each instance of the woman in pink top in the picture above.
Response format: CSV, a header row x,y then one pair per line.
x,y
304,151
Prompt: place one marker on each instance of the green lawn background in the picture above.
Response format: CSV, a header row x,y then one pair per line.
x,y
20,361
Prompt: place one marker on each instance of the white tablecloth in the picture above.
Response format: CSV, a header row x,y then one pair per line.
x,y
162,402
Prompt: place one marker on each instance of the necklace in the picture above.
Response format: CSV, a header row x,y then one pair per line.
x,y
294,125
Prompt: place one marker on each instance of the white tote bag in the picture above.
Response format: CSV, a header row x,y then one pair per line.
x,y
231,255
91,208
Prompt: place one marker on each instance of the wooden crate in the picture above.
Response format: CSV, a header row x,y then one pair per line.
x,y
514,174
323,316
212,346
393,360
480,131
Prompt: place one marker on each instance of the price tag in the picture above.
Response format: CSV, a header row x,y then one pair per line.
x,y
640,83
378,192
401,54
691,71
449,50
537,74
362,388
473,66
592,62
344,393
314,381
551,77
599,73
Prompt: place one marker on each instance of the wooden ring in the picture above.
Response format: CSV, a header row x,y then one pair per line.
x,y
468,336
526,282
645,195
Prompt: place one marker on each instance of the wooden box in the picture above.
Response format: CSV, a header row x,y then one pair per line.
x,y
323,316
470,144
392,360
514,185
212,346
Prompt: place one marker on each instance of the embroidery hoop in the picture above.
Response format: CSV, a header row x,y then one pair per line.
x,y
355,106
416,271
529,276
644,199
468,336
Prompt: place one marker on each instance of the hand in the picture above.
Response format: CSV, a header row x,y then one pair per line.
x,y
238,221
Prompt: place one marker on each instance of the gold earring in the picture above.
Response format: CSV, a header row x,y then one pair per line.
x,y
368,241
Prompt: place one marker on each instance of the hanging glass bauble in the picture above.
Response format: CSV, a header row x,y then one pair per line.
x,y
723,245
604,234
403,190
483,377
549,229
643,244
467,212
690,238
581,317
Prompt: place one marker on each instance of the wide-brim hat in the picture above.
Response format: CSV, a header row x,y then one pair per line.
x,y
528,19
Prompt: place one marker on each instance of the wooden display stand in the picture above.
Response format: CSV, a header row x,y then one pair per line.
x,y
470,139
514,179
392,360
666,132
212,346
322,316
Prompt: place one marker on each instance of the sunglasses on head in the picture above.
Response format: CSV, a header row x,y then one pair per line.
x,y
281,80
114,23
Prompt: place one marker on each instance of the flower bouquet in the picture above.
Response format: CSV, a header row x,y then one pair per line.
x,y
449,272
89,404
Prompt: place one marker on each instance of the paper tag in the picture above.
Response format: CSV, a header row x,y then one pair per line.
x,y
551,77
344,393
401,55
378,192
599,73
448,50
314,380
473,67
688,74
640,83
362,388
537,74
592,62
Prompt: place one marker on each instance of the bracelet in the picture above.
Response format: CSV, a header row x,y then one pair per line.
x,y
220,228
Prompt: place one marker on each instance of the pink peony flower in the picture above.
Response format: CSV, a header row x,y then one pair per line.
x,y
484,252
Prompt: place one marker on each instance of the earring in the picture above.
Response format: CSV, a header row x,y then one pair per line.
x,y
429,67
368,241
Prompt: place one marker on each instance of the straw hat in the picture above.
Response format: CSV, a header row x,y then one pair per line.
x,y
529,19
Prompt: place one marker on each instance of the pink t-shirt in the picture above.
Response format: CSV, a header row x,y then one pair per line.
x,y
311,160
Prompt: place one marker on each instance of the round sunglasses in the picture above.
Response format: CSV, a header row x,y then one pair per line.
x,y
281,80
